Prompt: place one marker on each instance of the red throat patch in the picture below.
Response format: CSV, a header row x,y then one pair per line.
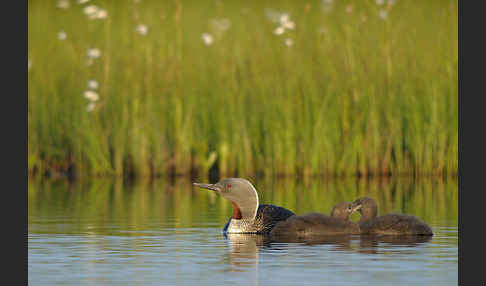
x,y
236,211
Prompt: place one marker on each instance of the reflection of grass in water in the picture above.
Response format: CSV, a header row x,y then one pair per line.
x,y
102,203
361,94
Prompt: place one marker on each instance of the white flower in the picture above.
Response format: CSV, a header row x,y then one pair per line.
x,y
279,31
93,84
289,25
142,29
91,11
289,42
94,12
380,2
285,23
94,53
207,38
284,18
90,106
101,14
383,14
91,95
82,1
62,35
63,4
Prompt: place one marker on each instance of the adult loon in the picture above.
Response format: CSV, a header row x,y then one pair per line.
x,y
390,224
248,215
317,224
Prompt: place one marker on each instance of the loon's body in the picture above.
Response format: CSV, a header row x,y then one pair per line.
x,y
266,218
390,224
317,224
248,215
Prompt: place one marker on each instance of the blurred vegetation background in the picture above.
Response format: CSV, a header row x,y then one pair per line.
x,y
147,88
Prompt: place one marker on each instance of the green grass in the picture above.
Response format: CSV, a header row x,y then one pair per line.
x,y
363,95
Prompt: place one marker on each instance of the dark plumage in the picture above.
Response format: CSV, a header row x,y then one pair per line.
x,y
317,224
390,224
266,218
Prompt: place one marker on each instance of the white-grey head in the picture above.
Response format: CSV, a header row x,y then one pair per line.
x,y
238,191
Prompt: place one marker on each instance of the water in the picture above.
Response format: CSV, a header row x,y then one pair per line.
x,y
105,232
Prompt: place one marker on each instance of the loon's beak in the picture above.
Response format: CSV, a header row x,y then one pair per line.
x,y
212,187
356,206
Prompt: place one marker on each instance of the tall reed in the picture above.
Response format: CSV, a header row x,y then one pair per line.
x,y
354,88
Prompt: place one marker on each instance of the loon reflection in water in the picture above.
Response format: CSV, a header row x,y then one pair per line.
x,y
244,248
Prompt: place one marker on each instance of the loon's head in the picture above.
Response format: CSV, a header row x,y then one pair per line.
x,y
367,207
342,211
240,193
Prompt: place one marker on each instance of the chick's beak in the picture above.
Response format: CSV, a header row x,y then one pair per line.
x,y
354,207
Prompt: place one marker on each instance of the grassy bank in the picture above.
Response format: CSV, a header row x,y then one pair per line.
x,y
354,88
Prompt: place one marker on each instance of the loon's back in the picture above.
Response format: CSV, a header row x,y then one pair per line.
x,y
395,224
266,218
314,224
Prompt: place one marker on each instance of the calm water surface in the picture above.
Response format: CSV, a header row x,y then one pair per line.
x,y
105,232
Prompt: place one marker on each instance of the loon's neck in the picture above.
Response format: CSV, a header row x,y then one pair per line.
x,y
245,207
241,224
367,216
236,212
